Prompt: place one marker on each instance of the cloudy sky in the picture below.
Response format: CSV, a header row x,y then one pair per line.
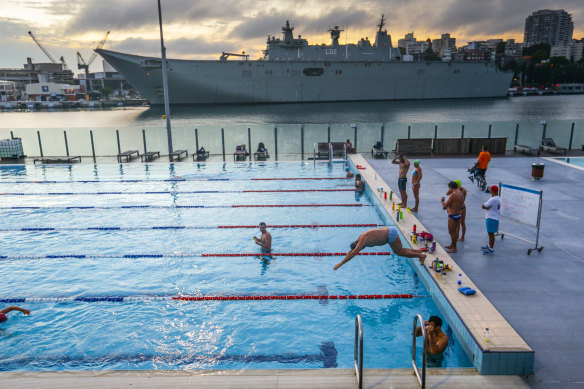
x,y
202,29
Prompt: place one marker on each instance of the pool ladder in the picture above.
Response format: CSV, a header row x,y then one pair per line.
x,y
359,351
421,376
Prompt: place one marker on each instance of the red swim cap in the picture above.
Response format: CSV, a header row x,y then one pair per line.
x,y
494,188
3,318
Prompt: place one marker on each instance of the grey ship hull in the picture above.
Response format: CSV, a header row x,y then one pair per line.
x,y
266,81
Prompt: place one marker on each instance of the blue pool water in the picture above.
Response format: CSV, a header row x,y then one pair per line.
x,y
149,331
576,161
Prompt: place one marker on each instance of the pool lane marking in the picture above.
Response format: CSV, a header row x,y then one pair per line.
x,y
172,180
209,298
192,206
105,228
175,192
182,255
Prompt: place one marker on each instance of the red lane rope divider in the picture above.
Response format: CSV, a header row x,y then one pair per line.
x,y
294,205
298,178
303,225
298,190
291,254
299,297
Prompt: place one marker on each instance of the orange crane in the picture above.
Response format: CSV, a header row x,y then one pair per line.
x,y
47,52
81,64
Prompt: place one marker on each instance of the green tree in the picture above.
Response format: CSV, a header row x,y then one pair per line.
x,y
500,47
430,55
106,91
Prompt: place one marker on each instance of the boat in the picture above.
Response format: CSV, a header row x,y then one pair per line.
x,y
292,71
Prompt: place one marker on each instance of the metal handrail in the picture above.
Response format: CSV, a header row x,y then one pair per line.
x,y
359,351
421,377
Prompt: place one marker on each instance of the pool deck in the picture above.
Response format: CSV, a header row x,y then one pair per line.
x,y
538,294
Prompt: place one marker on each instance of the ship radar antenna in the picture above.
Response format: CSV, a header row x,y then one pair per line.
x,y
382,24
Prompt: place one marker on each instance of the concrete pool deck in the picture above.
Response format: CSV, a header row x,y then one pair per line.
x,y
538,294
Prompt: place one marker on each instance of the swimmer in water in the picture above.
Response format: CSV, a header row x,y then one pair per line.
x,y
379,237
265,241
4,311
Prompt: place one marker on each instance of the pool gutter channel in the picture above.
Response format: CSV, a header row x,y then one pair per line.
x,y
506,353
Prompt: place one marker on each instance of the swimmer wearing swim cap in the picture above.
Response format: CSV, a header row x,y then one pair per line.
x,y
4,311
416,178
462,210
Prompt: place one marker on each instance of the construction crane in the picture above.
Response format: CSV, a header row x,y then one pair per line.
x,y
81,64
53,60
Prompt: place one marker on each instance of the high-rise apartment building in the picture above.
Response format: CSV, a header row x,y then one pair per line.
x,y
548,26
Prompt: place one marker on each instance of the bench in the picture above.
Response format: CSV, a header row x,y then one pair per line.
x,y
414,146
178,154
323,149
200,156
149,156
525,149
128,155
240,155
261,155
43,161
548,144
379,152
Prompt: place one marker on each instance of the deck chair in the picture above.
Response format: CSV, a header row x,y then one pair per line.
x,y
378,152
548,144
262,153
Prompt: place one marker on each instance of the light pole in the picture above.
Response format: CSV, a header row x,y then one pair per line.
x,y
165,83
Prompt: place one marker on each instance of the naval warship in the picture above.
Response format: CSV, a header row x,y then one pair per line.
x,y
292,71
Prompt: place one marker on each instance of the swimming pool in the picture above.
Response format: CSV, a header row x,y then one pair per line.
x,y
99,263
577,162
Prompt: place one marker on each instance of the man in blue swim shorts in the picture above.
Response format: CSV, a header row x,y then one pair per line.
x,y
379,237
453,206
404,166
492,214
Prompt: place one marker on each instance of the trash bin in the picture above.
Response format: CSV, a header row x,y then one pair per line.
x,y
537,170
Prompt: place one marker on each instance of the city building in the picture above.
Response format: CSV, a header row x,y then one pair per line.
x,y
51,91
412,45
8,91
445,41
548,26
572,50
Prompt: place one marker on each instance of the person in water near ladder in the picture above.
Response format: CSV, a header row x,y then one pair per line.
x,y
379,237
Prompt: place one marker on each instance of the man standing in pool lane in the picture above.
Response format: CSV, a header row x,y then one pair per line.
x,y
453,206
379,237
265,241
404,166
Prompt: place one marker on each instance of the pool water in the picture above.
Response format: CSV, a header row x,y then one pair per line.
x,y
576,161
83,256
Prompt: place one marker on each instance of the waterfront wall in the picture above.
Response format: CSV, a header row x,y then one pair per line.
x,y
282,140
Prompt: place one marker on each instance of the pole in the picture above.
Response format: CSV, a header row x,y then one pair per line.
x,y
516,133
302,143
40,144
197,139
223,142
118,137
571,137
11,135
329,134
165,82
276,141
66,143
462,132
355,137
544,130
92,145
144,139
409,131
382,134
490,130
249,141
435,131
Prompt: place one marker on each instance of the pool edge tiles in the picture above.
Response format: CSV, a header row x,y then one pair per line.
x,y
506,353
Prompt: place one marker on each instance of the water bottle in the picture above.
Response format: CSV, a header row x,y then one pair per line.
x,y
459,279
397,217
487,337
414,228
390,194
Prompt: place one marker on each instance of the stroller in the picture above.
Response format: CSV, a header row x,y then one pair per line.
x,y
477,175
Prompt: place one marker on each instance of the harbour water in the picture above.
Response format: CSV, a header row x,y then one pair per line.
x,y
362,122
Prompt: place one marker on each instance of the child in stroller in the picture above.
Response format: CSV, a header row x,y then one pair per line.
x,y
478,175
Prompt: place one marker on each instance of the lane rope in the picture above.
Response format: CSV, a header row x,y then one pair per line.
x,y
174,192
169,180
40,229
191,206
182,255
146,298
